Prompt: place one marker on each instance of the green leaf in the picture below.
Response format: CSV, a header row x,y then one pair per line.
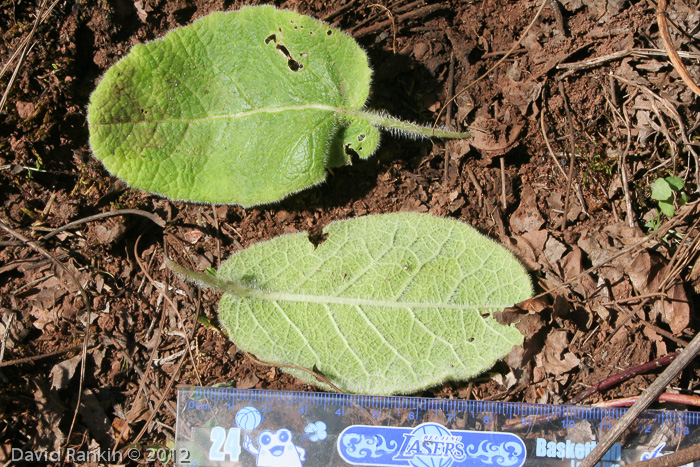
x,y
676,183
243,107
385,304
667,208
661,190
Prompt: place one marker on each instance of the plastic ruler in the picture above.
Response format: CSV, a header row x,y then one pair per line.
x,y
238,427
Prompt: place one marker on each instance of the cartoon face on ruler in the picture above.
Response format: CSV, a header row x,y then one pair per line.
x,y
276,449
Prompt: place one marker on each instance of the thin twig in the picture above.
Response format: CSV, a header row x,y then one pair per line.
x,y
635,298
339,11
673,112
683,457
6,335
572,158
504,202
669,374
24,48
623,376
496,65
543,127
685,399
88,312
142,374
662,21
33,358
166,296
689,209
316,374
120,212
448,115
593,62
160,401
393,23
623,172
418,13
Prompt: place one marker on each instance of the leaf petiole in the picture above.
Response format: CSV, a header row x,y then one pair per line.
x,y
402,127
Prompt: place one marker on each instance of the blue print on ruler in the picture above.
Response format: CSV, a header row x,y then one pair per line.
x,y
429,445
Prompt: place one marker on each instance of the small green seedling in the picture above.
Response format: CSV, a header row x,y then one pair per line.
x,y
385,304
244,107
668,191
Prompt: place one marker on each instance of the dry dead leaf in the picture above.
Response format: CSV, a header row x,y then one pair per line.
x,y
61,373
694,276
193,236
50,412
508,380
13,327
555,358
113,232
527,217
248,381
644,269
493,138
530,326
675,311
658,341
95,418
524,251
553,250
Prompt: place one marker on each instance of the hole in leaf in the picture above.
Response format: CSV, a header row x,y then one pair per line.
x,y
316,235
329,32
350,151
471,339
361,138
271,38
291,63
284,50
294,65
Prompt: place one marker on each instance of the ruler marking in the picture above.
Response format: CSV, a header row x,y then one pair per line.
x,y
197,406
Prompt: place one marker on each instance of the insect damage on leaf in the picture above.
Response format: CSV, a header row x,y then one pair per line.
x,y
385,304
244,107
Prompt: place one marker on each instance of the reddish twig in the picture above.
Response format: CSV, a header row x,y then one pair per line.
x,y
664,397
624,376
686,355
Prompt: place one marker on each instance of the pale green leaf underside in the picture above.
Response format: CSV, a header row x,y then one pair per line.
x,y
242,107
386,304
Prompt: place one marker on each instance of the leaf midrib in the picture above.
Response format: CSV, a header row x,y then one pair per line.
x,y
235,116
355,301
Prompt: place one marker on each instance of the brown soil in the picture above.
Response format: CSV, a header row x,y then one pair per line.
x,y
629,111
